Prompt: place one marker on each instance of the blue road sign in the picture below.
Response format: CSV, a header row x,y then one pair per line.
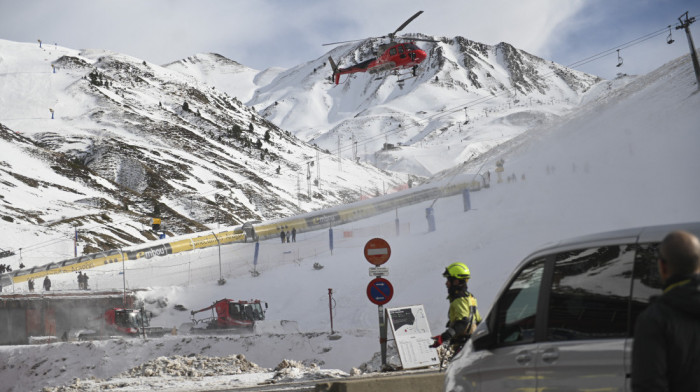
x,y
380,291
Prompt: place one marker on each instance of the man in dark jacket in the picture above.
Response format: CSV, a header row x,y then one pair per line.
x,y
666,350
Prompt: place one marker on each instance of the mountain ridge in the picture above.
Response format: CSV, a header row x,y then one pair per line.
x,y
158,143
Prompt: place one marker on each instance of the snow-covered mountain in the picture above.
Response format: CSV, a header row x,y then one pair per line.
x,y
467,98
227,75
125,141
135,140
627,158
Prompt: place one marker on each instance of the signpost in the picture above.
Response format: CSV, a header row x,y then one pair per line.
x,y
379,291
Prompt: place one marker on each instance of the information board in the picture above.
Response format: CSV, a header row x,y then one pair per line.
x,y
412,336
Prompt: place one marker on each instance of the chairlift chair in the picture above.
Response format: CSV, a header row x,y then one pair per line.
x,y
669,39
619,59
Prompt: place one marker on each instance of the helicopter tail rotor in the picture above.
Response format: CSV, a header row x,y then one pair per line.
x,y
333,65
336,71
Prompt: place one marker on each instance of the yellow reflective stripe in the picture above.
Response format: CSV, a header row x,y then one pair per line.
x,y
681,283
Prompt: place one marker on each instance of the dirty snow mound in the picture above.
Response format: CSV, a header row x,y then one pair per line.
x,y
290,370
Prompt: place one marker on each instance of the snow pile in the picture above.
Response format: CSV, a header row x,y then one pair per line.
x,y
184,372
290,370
193,365
393,362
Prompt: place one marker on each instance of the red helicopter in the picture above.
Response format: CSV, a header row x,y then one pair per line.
x,y
396,55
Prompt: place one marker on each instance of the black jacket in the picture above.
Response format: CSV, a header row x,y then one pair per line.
x,y
666,350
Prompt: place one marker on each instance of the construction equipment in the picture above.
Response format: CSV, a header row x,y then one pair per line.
x,y
123,322
236,316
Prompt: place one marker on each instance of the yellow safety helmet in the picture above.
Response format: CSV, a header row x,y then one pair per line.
x,y
457,271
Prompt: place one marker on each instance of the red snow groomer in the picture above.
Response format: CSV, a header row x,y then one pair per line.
x,y
123,322
231,314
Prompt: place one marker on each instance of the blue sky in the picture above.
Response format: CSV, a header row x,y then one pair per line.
x,y
266,33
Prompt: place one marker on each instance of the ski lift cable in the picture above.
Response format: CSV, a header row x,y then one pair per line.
x,y
574,64
586,60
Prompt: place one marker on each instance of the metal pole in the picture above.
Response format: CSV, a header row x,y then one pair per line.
x,y
382,334
330,239
123,274
396,221
255,258
330,307
693,53
221,277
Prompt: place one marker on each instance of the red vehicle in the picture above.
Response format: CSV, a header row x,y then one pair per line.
x,y
232,314
124,322
395,56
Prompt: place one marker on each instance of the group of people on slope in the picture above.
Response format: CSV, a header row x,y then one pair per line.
x,y
289,235
82,283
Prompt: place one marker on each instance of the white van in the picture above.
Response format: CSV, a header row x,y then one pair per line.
x,y
564,320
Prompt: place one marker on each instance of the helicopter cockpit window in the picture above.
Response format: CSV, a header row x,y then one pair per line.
x,y
411,47
401,49
392,51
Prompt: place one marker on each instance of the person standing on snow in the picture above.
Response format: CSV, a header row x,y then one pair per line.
x,y
666,348
47,283
463,314
282,236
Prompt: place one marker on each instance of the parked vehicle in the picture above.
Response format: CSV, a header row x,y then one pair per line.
x,y
564,319
123,322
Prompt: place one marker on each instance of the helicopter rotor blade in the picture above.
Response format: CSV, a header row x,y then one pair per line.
x,y
407,22
343,42
390,35
420,39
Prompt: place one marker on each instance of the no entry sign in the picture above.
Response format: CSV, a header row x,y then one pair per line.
x,y
380,291
377,251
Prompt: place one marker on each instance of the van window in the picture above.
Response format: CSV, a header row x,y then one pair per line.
x,y
589,297
517,308
646,280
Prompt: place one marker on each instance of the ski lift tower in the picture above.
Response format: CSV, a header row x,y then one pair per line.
x,y
685,25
